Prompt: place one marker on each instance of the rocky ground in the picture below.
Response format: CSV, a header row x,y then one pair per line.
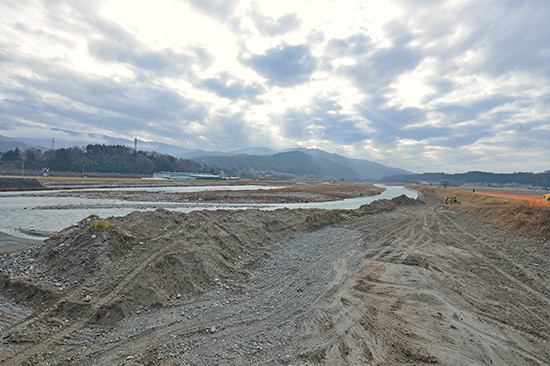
x,y
395,282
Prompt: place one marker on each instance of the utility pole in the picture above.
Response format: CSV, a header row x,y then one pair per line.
x,y
22,167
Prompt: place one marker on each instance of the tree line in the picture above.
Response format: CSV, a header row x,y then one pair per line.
x,y
97,158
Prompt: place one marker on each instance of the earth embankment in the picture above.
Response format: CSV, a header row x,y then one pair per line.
x,y
395,282
19,184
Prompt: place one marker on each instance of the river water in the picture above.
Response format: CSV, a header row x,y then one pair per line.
x,y
22,212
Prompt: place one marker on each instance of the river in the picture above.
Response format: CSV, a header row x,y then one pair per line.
x,y
24,212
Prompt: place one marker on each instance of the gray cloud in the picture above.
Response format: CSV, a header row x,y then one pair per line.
x,y
284,65
510,35
117,45
355,45
101,103
120,50
392,124
226,86
467,112
272,27
449,137
218,9
224,130
441,86
389,123
295,123
48,36
324,120
375,68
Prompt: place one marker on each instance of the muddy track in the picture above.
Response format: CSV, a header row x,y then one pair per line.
x,y
417,285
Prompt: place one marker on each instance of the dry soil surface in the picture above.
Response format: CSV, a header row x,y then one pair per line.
x,y
396,282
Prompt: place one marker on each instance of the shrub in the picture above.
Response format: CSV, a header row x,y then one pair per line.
x,y
99,225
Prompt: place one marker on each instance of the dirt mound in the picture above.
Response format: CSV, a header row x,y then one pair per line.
x,y
388,205
105,269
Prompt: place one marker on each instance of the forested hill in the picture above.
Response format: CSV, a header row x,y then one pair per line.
x,y
302,164
97,158
480,178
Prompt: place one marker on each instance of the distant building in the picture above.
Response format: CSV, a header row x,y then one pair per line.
x,y
185,176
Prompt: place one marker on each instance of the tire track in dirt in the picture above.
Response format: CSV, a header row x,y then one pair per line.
x,y
280,297
11,314
501,255
384,281
398,247
525,308
504,343
344,325
293,287
57,338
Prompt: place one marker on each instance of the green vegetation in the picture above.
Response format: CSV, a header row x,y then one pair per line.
x,y
97,158
99,225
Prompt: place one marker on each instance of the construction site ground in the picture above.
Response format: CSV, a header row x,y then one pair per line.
x,y
400,282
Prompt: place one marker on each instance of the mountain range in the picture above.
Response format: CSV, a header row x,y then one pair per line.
x,y
301,163
254,162
7,143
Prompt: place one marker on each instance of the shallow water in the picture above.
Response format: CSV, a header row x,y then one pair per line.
x,y
24,211
168,189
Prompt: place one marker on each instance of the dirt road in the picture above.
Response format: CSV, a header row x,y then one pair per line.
x,y
395,283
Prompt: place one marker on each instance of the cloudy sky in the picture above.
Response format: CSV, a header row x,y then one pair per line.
x,y
421,85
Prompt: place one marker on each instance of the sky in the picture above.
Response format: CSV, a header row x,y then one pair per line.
x,y
425,86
